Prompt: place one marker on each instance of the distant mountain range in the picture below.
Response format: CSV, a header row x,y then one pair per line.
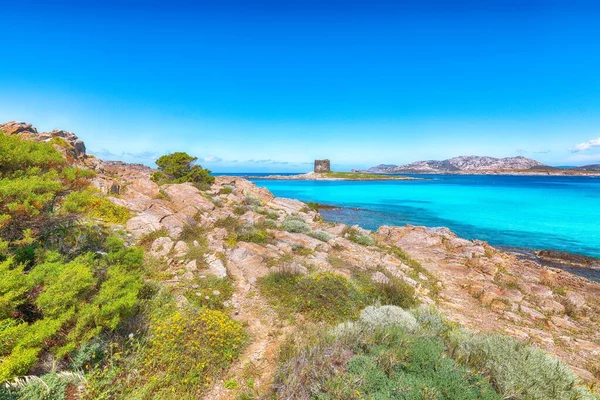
x,y
472,164
593,167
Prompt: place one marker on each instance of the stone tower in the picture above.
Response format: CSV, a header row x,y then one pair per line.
x,y
322,166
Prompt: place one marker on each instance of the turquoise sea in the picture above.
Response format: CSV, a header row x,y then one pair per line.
x,y
526,212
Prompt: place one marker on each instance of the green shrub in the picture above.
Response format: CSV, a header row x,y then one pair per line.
x,y
377,363
313,206
226,190
382,316
354,236
147,239
295,224
230,223
393,292
322,296
186,352
239,210
178,168
252,200
191,232
61,304
52,386
91,203
34,179
320,235
517,370
253,234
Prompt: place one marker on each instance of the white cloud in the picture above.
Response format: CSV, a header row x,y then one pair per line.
x,y
268,161
586,145
210,159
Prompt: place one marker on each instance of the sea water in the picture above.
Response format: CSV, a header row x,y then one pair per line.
x,y
532,212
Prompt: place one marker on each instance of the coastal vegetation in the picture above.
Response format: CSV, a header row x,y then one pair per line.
x,y
389,352
179,167
79,305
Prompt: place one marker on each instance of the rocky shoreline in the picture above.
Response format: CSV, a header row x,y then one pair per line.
x,y
574,263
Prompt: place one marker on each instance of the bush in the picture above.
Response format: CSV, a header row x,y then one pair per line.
x,y
226,190
178,168
34,179
92,204
186,352
321,296
252,200
61,304
52,386
230,223
517,370
320,235
253,235
295,224
191,232
355,236
382,316
393,292
376,363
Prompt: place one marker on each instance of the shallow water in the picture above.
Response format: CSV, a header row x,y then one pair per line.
x,y
534,212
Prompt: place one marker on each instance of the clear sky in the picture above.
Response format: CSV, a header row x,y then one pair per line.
x,y
271,85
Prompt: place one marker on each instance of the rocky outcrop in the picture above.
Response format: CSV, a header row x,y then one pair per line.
x,y
67,142
17,127
490,290
572,260
463,163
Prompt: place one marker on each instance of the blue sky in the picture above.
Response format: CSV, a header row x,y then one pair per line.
x,y
271,85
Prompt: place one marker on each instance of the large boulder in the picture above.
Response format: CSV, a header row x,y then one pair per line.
x,y
17,127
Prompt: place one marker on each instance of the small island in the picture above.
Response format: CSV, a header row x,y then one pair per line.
x,y
322,172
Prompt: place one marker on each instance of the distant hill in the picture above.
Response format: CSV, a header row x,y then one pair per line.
x,y
593,167
462,163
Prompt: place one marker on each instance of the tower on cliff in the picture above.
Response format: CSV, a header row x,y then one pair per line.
x,y
322,166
